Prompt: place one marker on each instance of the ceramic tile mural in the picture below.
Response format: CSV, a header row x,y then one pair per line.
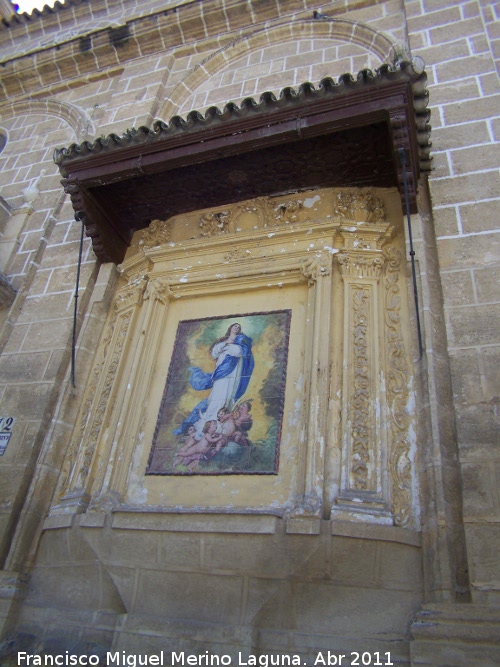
x,y
222,406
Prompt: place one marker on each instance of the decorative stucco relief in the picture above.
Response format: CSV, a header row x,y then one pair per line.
x,y
361,265
212,223
158,232
99,411
309,231
237,254
358,206
158,289
361,430
96,398
377,460
317,266
259,213
398,394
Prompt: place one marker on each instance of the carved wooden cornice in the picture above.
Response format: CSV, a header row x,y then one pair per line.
x,y
340,134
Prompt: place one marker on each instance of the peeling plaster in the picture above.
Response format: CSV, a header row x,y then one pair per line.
x,y
310,201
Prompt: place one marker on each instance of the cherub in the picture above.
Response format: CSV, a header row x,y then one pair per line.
x,y
243,422
200,448
227,425
189,442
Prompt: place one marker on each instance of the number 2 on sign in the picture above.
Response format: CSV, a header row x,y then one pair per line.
x,y
6,423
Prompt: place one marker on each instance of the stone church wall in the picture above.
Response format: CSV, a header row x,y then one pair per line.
x,y
114,577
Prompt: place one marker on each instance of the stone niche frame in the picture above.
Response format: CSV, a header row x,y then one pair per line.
x,y
282,247
111,418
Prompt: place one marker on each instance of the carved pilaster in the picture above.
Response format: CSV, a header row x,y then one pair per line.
x,y
129,414
97,398
317,270
398,382
364,483
361,427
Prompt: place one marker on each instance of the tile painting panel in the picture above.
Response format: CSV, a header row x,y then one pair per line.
x,y
222,406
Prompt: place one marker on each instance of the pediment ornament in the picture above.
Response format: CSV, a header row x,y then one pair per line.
x,y
158,233
351,205
358,206
212,223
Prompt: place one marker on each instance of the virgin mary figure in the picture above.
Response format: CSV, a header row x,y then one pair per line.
x,y
234,364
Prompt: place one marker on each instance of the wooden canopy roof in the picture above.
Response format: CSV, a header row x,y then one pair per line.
x,y
344,133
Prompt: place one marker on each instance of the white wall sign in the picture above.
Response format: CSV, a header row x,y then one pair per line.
x,y
6,424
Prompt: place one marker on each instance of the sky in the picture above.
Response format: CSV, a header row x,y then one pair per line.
x,y
29,5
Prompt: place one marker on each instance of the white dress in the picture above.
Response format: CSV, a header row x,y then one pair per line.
x,y
224,389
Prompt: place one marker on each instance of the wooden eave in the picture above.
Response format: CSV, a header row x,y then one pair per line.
x,y
121,183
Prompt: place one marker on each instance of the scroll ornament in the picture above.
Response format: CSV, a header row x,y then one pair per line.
x,y
317,266
398,378
360,429
86,408
157,289
158,233
93,435
361,265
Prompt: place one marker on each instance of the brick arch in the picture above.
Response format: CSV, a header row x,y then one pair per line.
x,y
339,29
76,118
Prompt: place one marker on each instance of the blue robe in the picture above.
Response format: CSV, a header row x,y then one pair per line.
x,y
202,381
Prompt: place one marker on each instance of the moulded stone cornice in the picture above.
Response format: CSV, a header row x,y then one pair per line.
x,y
188,269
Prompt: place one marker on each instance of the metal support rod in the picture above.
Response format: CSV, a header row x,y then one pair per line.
x,y
75,312
402,157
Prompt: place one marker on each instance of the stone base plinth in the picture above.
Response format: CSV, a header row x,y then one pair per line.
x,y
456,635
